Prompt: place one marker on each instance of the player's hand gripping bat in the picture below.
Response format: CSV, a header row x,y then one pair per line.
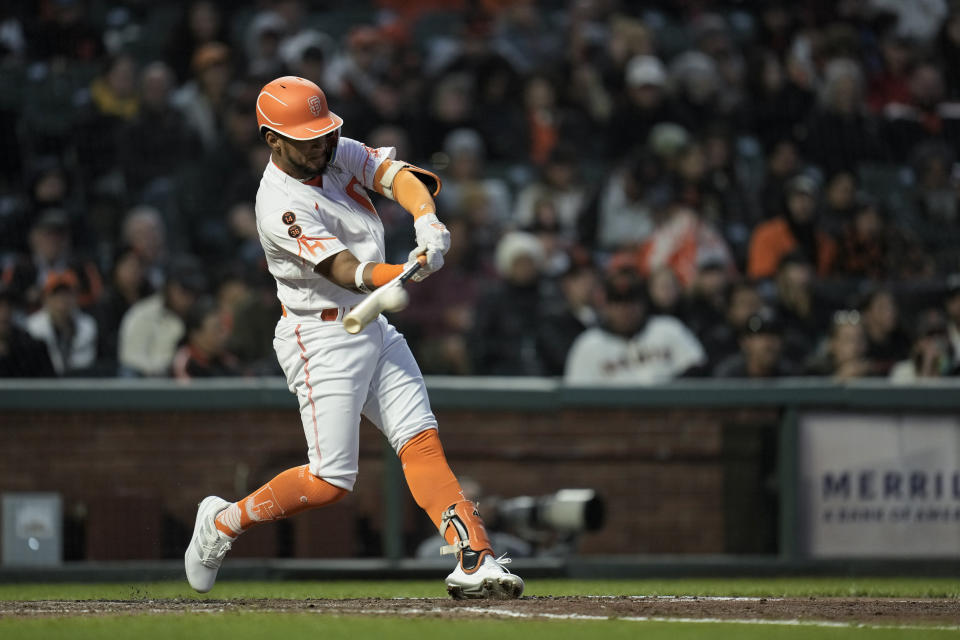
x,y
389,297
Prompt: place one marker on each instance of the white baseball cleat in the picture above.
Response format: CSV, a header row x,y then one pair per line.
x,y
207,547
489,580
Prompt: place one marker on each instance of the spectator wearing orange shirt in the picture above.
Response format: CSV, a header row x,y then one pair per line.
x,y
794,231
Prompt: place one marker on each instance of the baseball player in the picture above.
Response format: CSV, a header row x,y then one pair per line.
x,y
324,244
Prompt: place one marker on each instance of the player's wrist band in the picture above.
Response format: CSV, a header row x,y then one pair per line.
x,y
384,272
358,277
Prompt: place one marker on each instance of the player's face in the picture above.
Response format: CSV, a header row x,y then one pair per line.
x,y
310,157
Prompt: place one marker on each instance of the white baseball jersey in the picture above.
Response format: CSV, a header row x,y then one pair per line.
x,y
662,350
335,375
302,224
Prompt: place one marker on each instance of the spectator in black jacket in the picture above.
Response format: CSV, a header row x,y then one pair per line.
x,y
887,342
720,339
565,319
156,140
51,251
705,302
839,134
505,333
204,354
20,355
128,285
804,317
761,350
645,103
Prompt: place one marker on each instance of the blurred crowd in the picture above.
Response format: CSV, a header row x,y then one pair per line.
x,y
636,191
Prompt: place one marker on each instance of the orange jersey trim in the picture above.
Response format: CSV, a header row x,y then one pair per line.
x,y
313,406
359,195
311,244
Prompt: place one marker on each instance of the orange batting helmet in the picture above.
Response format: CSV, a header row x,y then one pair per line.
x,y
296,108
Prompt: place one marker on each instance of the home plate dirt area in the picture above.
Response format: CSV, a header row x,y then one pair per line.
x,y
867,611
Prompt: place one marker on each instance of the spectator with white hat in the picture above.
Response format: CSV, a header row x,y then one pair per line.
x,y
506,325
645,102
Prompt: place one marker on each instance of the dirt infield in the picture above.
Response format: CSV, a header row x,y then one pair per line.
x,y
869,611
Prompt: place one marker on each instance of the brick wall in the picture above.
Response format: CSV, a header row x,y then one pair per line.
x,y
131,480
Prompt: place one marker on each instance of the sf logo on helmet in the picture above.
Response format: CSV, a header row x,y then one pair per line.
x,y
316,107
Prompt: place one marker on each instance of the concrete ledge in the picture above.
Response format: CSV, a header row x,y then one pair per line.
x,y
481,393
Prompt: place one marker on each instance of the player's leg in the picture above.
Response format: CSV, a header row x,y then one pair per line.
x,y
399,406
219,522
315,356
289,493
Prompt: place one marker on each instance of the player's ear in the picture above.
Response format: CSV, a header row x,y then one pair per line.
x,y
273,140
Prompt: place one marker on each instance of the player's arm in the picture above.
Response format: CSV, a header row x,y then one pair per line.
x,y
376,169
299,233
399,182
345,270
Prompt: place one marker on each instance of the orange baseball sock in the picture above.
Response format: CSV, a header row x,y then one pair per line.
x,y
432,483
288,494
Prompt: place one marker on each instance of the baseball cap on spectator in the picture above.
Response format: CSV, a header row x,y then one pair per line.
x,y
803,184
53,219
266,22
953,285
578,259
395,33
188,273
624,286
765,321
60,280
362,37
711,261
645,71
792,258
544,224
695,67
622,261
708,24
667,138
306,44
514,245
463,140
209,55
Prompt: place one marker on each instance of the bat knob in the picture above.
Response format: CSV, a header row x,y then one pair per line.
x,y
352,325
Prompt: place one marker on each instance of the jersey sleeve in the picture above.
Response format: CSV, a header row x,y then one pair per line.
x,y
689,351
299,233
362,161
582,365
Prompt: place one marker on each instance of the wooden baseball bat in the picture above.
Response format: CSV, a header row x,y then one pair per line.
x,y
371,307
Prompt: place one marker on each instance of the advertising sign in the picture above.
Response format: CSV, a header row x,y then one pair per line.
x,y
879,485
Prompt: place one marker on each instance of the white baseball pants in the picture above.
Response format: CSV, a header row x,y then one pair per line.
x,y
337,377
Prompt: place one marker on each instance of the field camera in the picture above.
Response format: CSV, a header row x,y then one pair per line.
x,y
566,512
